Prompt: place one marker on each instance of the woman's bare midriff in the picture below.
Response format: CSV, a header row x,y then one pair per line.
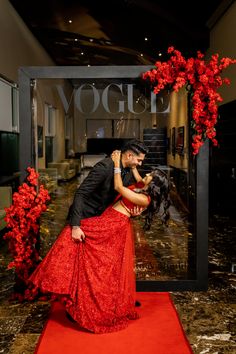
x,y
119,207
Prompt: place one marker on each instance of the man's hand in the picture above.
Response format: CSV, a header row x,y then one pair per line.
x,y
115,152
77,234
137,210
115,156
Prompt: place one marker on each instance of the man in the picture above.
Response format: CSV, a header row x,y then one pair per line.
x,y
97,192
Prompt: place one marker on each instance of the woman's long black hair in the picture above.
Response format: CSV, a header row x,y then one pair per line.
x,y
158,190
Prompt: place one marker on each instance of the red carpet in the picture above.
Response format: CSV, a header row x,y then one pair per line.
x,y
158,331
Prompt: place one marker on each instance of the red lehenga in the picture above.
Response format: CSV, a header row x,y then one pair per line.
x,y
96,277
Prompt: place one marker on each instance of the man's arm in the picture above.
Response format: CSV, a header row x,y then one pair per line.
x,y
89,186
86,189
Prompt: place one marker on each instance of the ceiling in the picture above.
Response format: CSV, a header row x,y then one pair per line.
x,y
117,32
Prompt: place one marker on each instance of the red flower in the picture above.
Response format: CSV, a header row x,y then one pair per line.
x,y
203,78
22,219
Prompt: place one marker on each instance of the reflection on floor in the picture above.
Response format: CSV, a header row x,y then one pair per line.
x,y
208,318
162,253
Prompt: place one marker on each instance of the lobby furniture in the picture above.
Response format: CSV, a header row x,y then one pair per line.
x,y
105,145
48,177
64,170
89,160
74,163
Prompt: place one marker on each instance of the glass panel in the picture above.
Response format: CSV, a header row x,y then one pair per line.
x,y
50,120
9,157
5,106
126,128
99,128
105,113
15,109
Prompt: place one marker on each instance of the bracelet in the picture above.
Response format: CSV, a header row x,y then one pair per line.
x,y
117,170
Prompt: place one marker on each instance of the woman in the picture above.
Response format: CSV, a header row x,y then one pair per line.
x,y
95,277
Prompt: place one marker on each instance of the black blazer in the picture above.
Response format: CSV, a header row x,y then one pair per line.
x,y
96,192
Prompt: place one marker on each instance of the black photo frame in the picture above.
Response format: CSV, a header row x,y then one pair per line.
x,y
173,141
180,141
201,162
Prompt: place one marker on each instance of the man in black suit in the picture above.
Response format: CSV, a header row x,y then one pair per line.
x,y
97,192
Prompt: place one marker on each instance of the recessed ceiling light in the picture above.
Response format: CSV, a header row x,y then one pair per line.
x,y
70,21
76,39
82,53
146,39
160,54
141,54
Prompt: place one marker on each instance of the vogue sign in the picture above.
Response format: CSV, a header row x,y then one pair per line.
x,y
153,105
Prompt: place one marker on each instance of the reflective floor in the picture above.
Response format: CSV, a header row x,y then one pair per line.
x,y
208,318
163,252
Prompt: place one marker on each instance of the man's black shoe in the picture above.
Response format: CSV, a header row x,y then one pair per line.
x,y
70,318
137,303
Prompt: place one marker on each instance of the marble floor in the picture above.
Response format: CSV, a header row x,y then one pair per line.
x,y
208,318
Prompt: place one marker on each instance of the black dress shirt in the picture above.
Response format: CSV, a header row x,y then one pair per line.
x,y
97,192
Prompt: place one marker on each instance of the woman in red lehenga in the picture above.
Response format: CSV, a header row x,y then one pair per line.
x,y
95,277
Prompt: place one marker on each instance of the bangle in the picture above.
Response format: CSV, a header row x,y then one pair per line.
x,y
117,170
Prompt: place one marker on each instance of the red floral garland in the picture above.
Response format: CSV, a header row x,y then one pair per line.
x,y
22,219
203,78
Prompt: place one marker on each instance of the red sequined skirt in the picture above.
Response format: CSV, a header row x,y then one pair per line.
x,y
96,277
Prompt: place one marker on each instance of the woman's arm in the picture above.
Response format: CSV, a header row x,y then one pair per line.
x,y
136,175
136,198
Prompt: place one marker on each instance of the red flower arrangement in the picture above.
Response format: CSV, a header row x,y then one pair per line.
x,y
22,219
202,79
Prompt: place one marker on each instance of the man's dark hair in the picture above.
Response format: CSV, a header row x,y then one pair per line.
x,y
136,146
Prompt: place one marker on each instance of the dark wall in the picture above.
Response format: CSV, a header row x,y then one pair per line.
x,y
223,163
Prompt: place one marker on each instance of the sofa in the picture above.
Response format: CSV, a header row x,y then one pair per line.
x,y
89,160
65,171
5,202
74,163
48,178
